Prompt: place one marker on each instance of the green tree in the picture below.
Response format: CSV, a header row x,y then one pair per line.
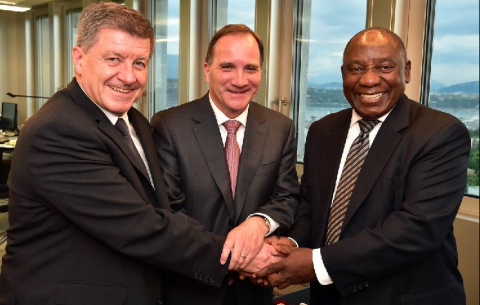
x,y
473,164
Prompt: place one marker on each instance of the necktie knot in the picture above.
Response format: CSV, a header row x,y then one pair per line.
x,y
367,125
232,126
122,127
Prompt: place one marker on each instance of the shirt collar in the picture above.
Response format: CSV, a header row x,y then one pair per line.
x,y
111,116
356,117
222,118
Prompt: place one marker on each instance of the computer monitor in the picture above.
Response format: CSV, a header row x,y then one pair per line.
x,y
9,117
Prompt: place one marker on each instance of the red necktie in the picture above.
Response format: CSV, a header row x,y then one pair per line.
x,y
232,151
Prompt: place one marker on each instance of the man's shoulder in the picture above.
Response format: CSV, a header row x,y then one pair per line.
x,y
429,120
269,114
184,111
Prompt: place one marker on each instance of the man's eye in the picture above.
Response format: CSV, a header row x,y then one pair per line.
x,y
386,68
140,65
356,70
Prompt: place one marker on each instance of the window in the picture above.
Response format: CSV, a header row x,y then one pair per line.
x,y
234,11
71,29
43,59
454,78
323,28
165,60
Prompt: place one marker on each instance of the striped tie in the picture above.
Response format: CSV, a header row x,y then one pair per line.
x,y
351,169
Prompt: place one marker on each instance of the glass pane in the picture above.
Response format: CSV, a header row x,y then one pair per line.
x,y
326,29
43,59
72,20
454,79
235,11
167,32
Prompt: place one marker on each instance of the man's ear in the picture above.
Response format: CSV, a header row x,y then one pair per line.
x,y
206,71
77,56
408,68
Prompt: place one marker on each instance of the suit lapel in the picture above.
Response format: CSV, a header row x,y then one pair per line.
x,y
144,135
382,148
104,125
252,152
209,140
329,162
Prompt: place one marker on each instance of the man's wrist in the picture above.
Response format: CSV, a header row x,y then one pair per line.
x,y
272,225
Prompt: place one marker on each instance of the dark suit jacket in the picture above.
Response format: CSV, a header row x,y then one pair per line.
x,y
86,226
397,244
196,174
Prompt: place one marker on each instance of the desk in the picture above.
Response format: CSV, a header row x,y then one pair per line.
x,y
4,171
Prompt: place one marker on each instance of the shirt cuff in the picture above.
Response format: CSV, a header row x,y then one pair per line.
x,y
294,241
273,224
320,270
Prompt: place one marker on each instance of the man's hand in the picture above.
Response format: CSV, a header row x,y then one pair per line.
x,y
295,268
266,256
280,240
244,242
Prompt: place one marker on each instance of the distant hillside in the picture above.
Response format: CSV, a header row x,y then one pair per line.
x,y
331,86
469,88
435,85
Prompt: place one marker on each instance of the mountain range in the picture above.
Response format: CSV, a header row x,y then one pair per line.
x,y
435,86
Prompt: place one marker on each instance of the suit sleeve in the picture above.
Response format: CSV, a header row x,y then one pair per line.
x,y
77,172
433,188
170,164
284,197
301,230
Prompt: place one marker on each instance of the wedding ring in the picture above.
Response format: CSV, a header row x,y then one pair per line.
x,y
242,255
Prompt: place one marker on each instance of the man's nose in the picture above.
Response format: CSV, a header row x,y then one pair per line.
x,y
239,79
126,73
370,78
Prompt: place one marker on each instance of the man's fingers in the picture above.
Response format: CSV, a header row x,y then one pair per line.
x,y
284,250
227,247
265,272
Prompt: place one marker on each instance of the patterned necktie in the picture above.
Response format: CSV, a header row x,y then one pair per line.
x,y
353,164
123,129
232,151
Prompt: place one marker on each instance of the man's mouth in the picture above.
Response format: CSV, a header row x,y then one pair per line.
x,y
371,96
238,91
116,89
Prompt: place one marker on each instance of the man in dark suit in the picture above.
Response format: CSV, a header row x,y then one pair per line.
x,y
395,243
191,141
90,221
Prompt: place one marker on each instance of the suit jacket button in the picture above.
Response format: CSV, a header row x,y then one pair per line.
x,y
196,275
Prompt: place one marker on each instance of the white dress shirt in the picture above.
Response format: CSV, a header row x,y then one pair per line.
x,y
320,271
242,118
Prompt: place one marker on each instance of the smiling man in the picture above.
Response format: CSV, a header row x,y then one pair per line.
x,y
382,185
230,164
90,221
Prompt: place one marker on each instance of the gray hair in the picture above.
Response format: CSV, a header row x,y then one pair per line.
x,y
110,15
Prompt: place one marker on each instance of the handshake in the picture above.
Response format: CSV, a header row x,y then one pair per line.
x,y
272,261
